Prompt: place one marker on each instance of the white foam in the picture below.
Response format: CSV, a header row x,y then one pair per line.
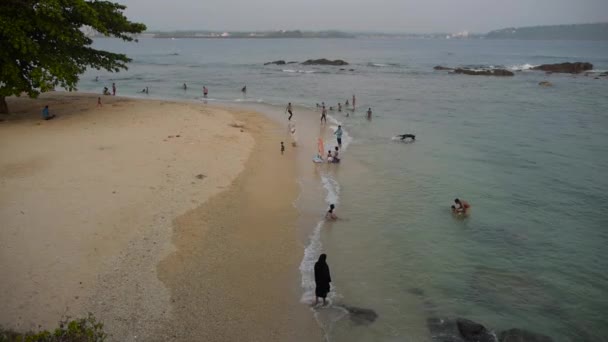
x,y
525,66
299,71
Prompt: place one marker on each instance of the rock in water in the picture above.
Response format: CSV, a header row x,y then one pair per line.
x,y
520,335
474,332
279,62
361,316
569,68
493,72
439,67
324,61
545,84
443,330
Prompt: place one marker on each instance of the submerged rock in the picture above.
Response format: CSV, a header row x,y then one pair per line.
x,y
570,68
545,84
520,335
474,332
324,61
279,62
492,72
443,330
439,67
361,316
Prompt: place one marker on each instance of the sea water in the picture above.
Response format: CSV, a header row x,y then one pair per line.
x,y
532,161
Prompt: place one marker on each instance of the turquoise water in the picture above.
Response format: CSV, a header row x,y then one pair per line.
x,y
531,161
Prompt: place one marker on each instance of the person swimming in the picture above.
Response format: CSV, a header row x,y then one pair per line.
x,y
462,206
405,136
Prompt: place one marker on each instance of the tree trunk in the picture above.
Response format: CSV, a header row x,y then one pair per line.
x,y
3,105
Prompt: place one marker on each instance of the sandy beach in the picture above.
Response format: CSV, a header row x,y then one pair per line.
x,y
168,221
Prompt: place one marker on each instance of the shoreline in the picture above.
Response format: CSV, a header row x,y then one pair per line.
x,y
116,276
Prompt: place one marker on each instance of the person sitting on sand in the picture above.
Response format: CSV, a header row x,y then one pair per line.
x,y
330,157
322,279
330,214
336,156
462,206
46,115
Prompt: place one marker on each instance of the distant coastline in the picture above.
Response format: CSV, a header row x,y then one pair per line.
x,y
593,31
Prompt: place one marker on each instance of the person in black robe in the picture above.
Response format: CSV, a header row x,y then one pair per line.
x,y
322,279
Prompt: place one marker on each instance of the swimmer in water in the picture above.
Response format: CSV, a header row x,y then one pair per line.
x,y
339,107
405,136
462,206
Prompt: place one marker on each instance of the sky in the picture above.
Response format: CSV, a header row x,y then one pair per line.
x,y
398,16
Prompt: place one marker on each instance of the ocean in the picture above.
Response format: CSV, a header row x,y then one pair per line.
x,y
531,160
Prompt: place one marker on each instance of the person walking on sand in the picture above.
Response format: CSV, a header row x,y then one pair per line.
x,y
99,102
322,279
324,114
338,134
282,148
288,109
205,91
113,89
369,114
354,101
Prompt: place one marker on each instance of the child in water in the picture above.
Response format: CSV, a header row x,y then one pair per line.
x,y
331,215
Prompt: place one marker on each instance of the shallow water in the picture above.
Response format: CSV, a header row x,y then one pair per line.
x,y
531,161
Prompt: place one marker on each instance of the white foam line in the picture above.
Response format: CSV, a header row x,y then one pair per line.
x,y
346,138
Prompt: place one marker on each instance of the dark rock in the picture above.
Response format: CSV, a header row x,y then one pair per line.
x,y
351,69
493,72
324,61
570,68
439,67
279,62
443,330
520,335
416,291
545,84
342,69
361,316
474,332
200,176
292,62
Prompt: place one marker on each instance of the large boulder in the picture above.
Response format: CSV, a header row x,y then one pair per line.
x,y
440,67
570,68
474,332
443,330
279,62
492,72
520,335
324,61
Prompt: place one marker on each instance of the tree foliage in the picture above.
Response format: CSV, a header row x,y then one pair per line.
x,y
43,46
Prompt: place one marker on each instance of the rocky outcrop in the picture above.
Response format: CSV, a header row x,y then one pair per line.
x,y
459,330
440,67
520,335
324,61
569,68
292,62
474,332
545,84
361,316
279,62
492,72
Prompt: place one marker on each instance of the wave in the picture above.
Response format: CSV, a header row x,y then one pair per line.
x,y
299,71
521,67
249,100
383,65
346,138
313,250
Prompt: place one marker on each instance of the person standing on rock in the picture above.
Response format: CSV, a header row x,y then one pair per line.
x,y
322,279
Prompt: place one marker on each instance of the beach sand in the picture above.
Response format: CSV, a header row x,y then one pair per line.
x,y
152,216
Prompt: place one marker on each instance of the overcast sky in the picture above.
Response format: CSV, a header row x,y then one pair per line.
x,y
362,15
